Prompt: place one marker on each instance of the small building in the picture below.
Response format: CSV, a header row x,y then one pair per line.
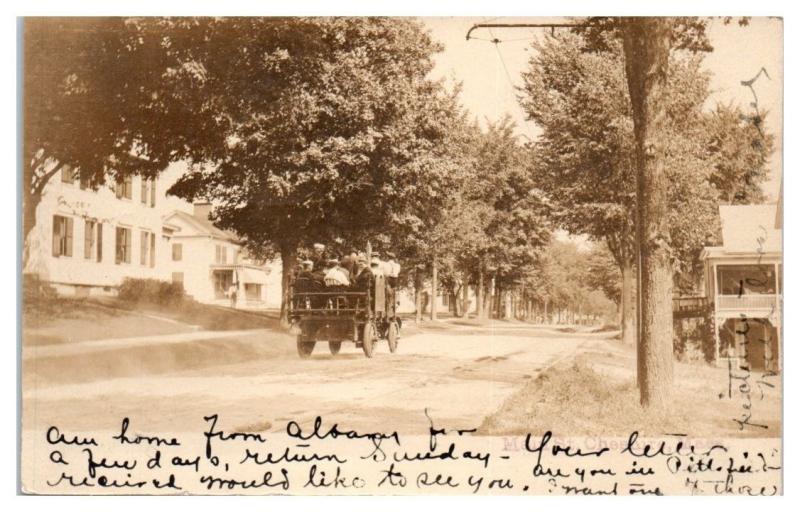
x,y
211,263
743,283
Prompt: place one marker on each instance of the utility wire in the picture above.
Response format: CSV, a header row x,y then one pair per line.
x,y
511,85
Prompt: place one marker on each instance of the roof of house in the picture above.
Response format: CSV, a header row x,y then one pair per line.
x,y
748,229
204,226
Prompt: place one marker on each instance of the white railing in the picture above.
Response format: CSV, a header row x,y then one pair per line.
x,y
744,302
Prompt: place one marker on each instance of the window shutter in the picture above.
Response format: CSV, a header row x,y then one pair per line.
x,y
118,246
99,241
88,235
128,244
144,190
56,235
118,189
152,250
69,236
153,193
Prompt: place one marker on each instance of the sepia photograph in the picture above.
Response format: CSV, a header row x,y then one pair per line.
x,y
401,255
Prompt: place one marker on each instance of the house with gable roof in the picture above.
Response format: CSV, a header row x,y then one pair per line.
x,y
208,261
744,289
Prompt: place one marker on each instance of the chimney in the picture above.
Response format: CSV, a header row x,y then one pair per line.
x,y
202,209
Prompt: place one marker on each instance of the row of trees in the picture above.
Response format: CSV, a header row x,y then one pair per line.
x,y
577,92
328,129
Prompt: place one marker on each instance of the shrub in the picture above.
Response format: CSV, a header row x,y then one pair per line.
x,y
691,341
151,290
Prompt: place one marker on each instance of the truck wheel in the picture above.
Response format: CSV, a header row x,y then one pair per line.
x,y
391,336
304,347
368,339
334,347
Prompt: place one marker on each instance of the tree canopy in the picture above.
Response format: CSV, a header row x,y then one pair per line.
x,y
109,97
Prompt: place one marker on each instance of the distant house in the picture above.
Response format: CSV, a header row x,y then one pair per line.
x,y
743,282
209,261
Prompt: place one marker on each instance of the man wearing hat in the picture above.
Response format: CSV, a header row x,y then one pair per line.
x,y
349,262
318,256
363,274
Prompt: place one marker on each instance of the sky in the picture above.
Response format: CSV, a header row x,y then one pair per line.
x,y
488,72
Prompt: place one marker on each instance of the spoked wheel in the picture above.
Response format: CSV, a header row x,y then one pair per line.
x,y
392,336
334,347
304,347
368,339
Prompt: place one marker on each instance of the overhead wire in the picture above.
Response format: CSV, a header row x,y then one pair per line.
x,y
511,84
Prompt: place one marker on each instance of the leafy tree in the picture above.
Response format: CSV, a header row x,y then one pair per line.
x,y
603,273
516,225
741,149
333,129
585,157
108,97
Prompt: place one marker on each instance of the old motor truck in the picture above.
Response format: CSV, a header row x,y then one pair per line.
x,y
363,313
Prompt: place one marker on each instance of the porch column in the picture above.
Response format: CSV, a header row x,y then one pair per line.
x,y
716,337
714,316
778,318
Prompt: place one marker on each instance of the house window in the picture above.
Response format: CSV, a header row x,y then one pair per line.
x,y
124,187
84,180
123,245
89,240
148,192
145,190
62,236
252,291
221,256
177,252
67,174
145,247
746,279
177,277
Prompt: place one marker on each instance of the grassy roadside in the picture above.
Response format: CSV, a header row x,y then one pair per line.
x,y
64,320
597,393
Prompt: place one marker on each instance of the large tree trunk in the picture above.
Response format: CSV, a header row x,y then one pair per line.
x,y
647,43
288,264
488,299
628,306
37,172
479,292
434,287
29,204
417,295
465,297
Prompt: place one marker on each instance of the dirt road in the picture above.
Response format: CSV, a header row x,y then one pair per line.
x,y
255,381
